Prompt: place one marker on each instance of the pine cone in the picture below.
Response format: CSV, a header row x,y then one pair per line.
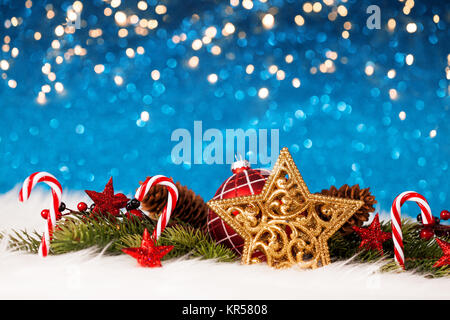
x,y
354,193
190,207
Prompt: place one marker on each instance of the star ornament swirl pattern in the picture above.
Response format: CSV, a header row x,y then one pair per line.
x,y
285,222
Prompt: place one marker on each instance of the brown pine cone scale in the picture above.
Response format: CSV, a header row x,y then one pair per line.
x,y
190,207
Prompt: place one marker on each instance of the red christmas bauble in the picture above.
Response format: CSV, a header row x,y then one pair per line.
x,y
244,182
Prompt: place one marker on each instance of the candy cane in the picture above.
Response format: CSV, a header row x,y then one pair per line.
x,y
172,199
24,194
396,222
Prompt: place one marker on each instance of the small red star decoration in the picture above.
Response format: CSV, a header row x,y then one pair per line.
x,y
445,259
148,254
107,201
372,237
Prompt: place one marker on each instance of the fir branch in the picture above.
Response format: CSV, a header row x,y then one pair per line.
x,y
81,232
104,231
23,241
187,241
420,255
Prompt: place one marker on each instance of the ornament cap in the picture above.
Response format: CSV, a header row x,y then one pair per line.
x,y
240,165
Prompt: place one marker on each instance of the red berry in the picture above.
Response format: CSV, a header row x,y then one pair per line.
x,y
134,213
82,206
45,213
445,215
426,233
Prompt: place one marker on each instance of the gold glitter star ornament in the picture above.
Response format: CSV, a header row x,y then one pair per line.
x,y
285,223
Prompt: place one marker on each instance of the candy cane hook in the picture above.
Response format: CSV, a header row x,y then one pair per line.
x,y
172,198
28,185
396,222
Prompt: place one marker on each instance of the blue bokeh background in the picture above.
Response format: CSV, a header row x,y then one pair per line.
x,y
350,124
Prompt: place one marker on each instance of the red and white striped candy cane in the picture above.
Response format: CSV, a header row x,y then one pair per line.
x,y
396,222
54,184
172,198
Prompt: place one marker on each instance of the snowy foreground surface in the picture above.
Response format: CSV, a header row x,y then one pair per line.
x,y
88,275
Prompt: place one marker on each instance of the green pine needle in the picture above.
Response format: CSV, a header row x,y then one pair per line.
x,y
113,234
420,254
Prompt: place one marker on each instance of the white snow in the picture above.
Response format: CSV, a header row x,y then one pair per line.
x,y
90,275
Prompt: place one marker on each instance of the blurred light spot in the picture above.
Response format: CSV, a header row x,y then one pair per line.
x,y
142,5
160,9
247,4
4,65
99,68
120,18
342,10
79,129
307,143
115,3
155,75
369,70
59,87
197,44
211,32
299,20
193,62
59,31
433,133
268,21
273,69
307,7
263,93
317,6
215,50
411,27
118,80
409,59
12,83
228,29
393,94
145,116
391,74
212,78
